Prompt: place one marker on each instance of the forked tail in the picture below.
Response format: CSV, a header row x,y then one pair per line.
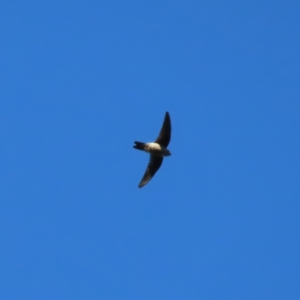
x,y
139,145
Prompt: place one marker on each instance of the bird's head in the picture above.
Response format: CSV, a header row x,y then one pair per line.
x,y
168,153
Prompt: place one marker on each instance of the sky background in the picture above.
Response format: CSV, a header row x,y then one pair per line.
x,y
82,80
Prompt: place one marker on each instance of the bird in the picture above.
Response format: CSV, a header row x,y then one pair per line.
x,y
157,150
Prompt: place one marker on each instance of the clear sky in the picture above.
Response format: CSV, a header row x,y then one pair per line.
x,y
82,80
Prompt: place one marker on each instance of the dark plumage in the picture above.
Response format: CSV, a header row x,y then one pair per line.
x,y
157,149
139,145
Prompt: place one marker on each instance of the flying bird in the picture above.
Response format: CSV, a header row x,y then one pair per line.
x,y
157,149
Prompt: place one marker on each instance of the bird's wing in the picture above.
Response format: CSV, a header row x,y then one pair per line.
x,y
165,132
154,164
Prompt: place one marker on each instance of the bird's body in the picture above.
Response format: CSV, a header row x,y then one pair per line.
x,y
157,150
153,148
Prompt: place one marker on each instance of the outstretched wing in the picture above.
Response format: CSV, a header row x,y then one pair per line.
x,y
153,166
165,132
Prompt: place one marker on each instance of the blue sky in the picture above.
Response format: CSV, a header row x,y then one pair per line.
x,y
82,80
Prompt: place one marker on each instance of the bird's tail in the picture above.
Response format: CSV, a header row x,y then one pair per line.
x,y
139,145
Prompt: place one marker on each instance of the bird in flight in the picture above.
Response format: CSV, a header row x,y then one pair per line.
x,y
157,149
